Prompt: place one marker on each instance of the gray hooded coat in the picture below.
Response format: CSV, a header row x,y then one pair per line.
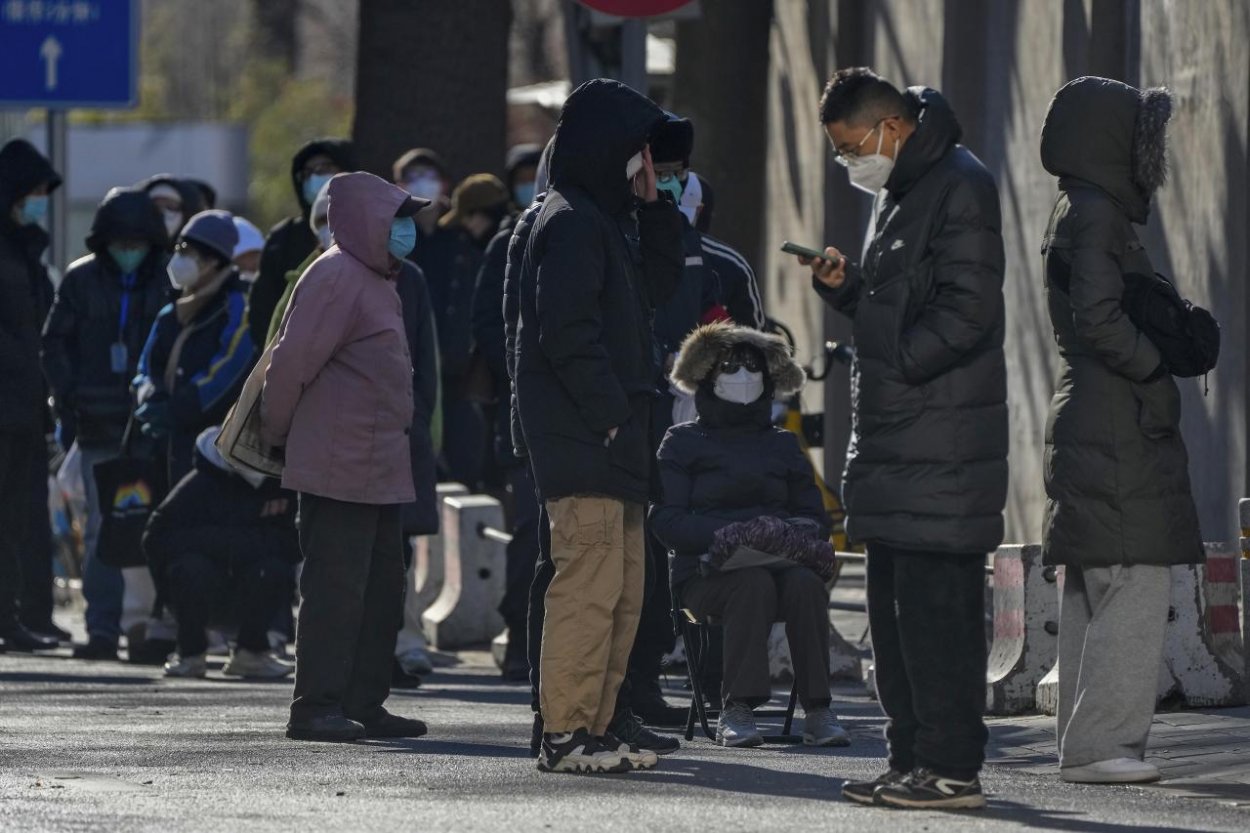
x,y
1116,468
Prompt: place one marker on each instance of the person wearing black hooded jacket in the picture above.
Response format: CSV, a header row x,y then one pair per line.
x,y
104,310
594,266
291,241
26,179
926,473
1120,510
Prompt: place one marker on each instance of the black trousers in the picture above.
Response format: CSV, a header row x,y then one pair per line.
x,y
522,553
746,603
36,552
352,591
254,590
927,614
16,451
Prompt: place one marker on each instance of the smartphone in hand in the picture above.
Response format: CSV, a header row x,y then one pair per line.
x,y
803,251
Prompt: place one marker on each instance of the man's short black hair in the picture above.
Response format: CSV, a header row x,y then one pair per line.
x,y
857,95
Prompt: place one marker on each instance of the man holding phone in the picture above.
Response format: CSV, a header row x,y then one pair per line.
x,y
926,475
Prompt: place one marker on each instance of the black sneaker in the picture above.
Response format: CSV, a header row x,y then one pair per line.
x,y
22,641
97,648
649,705
580,752
924,789
401,679
628,728
150,651
864,792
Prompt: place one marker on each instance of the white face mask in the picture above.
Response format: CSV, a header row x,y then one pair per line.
x,y
425,187
173,222
324,238
633,166
184,270
249,275
741,387
870,172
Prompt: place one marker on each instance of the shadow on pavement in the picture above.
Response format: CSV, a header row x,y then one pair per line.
x,y
82,679
741,778
461,749
1036,818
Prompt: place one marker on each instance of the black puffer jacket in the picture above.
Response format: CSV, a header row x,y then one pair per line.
x,y
25,291
1117,471
421,517
584,357
512,317
927,464
291,241
731,465
86,320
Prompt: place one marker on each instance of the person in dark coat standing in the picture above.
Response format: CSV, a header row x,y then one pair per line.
x,y
926,473
292,240
720,474
489,334
26,179
1119,511
104,310
585,378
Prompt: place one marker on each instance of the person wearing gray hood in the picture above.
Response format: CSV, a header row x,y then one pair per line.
x,y
1119,511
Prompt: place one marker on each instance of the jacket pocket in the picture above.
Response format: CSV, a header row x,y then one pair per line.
x,y
1158,408
629,450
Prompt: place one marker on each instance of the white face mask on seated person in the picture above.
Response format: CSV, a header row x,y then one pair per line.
x,y
742,387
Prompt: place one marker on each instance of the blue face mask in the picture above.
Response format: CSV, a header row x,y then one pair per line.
x,y
128,260
313,186
671,185
524,194
403,237
33,210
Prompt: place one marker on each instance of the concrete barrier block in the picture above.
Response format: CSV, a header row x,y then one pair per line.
x,y
1025,629
465,613
428,558
845,661
1047,697
1203,654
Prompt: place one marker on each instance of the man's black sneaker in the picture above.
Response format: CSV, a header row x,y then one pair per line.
x,y
96,648
581,752
150,651
924,789
333,728
648,703
49,628
628,728
865,792
387,725
22,641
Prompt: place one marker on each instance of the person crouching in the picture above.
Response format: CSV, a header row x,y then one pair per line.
x,y
733,482
225,539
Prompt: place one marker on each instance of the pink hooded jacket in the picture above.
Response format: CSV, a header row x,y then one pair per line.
x,y
338,392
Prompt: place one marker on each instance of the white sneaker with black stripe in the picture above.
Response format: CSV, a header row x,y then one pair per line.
x,y
924,789
581,752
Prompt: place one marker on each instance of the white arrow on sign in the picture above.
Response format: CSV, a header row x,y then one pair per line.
x,y
50,51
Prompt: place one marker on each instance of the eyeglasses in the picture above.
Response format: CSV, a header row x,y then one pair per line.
x,y
752,364
841,156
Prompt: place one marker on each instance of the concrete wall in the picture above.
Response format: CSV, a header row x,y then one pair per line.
x,y
1000,62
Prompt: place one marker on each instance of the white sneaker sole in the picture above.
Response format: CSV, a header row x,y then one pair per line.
x,y
741,743
836,740
581,767
1085,775
965,802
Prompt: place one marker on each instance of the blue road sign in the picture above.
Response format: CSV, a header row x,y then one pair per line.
x,y
69,53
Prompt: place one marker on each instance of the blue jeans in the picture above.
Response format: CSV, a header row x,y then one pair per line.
x,y
102,586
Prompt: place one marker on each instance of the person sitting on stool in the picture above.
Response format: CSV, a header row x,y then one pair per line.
x,y
727,477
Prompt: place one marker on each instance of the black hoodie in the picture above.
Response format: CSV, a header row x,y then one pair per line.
x,y
188,192
25,291
590,276
86,320
291,241
927,465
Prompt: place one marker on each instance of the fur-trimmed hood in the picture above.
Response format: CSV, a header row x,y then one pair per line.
x,y
704,348
1111,135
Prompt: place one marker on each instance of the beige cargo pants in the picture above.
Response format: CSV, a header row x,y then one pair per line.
x,y
593,605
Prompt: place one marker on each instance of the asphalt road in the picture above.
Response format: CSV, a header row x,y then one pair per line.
x,y
110,747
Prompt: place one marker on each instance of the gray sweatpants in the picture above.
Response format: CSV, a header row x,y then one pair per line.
x,y
1111,629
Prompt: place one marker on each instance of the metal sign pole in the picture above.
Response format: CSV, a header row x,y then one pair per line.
x,y
58,203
